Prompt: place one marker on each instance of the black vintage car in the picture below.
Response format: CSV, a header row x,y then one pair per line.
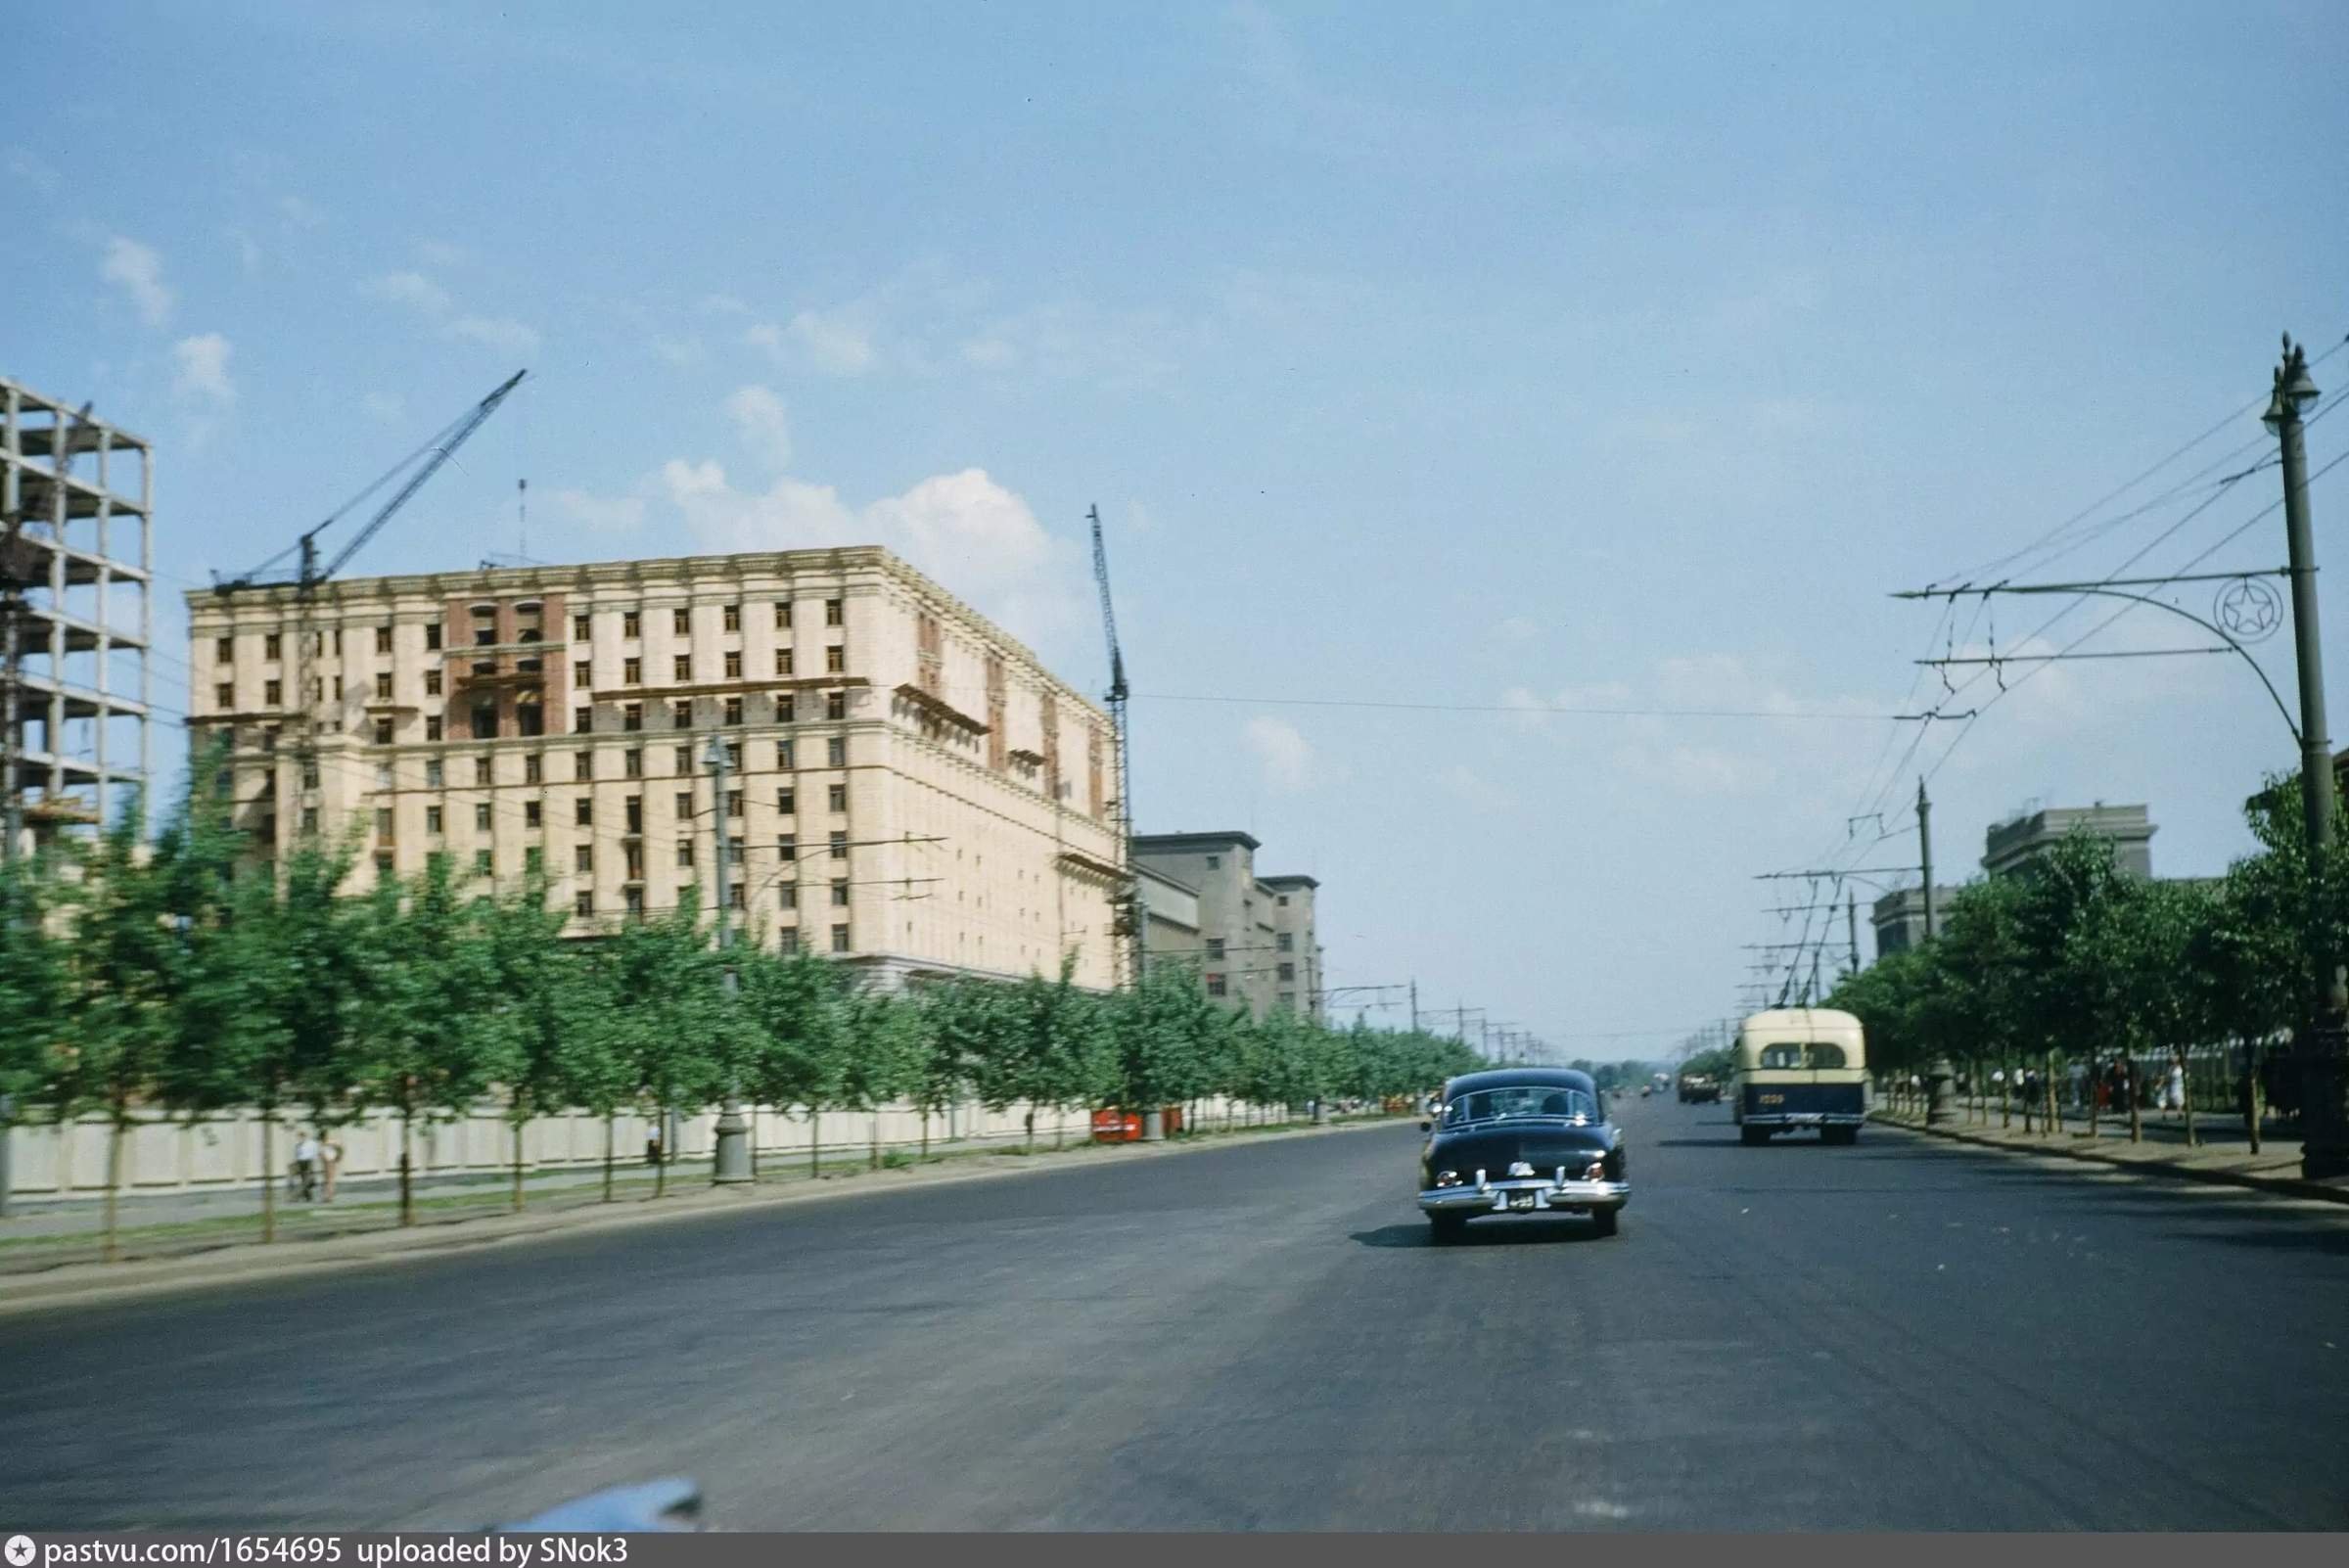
x,y
1521,1140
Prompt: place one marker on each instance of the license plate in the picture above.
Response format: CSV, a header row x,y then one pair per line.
x,y
1521,1200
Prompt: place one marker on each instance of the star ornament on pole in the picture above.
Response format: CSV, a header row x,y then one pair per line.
x,y
2248,610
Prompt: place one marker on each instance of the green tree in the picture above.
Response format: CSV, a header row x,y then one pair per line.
x,y
665,1016
35,986
792,1003
538,1020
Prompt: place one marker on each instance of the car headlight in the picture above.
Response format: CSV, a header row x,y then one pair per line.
x,y
1521,1168
1597,1171
1448,1179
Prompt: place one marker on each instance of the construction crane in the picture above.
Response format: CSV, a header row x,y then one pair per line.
x,y
1125,924
307,574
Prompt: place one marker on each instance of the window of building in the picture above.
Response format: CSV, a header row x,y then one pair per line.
x,y
836,797
733,710
533,768
787,848
733,667
681,666
583,767
583,673
383,732
839,938
383,639
1214,949
632,672
432,682
485,721
432,820
787,802
633,810
310,819
1286,942
787,939
383,821
481,771
832,615
782,661
683,715
839,845
582,721
225,695
631,716
1285,900
583,857
684,852
530,813
224,650
835,752
432,726
836,705
836,659
633,901
631,623
534,859
733,618
684,761
784,755
633,856
584,905
782,615
840,893
631,762
1288,1000
382,777
579,629
788,896
481,862
273,645
383,686
684,806
786,708
435,776
481,816
382,865
737,896
583,812
1215,984
1287,972
431,637
310,776
1214,862
268,737
737,853
733,803
734,755
273,692
317,688
681,622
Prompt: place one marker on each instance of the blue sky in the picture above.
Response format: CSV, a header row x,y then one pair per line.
x,y
1474,358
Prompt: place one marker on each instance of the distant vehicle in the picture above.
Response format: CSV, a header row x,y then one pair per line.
x,y
1645,1090
1699,1088
1522,1141
1798,1068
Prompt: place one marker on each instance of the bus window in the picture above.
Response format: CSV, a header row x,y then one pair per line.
x,y
1826,1056
1782,1056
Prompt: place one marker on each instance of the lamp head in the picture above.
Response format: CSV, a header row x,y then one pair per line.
x,y
2296,392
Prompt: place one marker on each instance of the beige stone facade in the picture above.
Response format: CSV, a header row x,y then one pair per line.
x,y
1253,937
904,784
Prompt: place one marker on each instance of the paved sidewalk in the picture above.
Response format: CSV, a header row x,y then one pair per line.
x,y
2222,1154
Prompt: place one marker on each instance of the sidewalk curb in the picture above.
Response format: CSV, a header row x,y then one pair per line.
x,y
2285,1187
255,1263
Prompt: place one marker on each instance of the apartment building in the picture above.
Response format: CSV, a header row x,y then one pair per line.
x,y
900,782
1255,941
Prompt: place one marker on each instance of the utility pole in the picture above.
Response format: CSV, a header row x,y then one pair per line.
x,y
1850,925
732,1162
1414,1005
2325,1055
1924,843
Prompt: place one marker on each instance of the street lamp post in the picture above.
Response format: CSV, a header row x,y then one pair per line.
x,y
2324,1052
732,1163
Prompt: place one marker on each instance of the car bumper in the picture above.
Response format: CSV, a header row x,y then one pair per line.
x,y
1544,1194
1805,1119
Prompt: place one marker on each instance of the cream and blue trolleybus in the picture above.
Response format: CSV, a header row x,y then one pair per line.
x,y
1800,1068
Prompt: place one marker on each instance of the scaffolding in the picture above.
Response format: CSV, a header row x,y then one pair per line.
x,y
77,579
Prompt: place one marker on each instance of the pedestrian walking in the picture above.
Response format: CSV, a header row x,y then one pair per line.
x,y
305,1166
330,1160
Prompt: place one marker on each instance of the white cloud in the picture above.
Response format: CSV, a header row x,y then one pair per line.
x,y
679,350
496,332
758,418
411,289
839,342
614,514
1286,754
248,251
140,273
203,370
416,292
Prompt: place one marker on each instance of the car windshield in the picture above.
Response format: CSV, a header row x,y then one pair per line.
x,y
1522,1099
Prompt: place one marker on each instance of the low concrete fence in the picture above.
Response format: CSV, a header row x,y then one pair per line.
x,y
166,1154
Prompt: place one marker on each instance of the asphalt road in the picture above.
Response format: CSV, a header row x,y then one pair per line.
x,y
1904,1334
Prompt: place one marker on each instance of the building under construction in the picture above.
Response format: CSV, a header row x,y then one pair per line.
x,y
76,615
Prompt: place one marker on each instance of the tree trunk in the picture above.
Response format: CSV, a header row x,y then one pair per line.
x,y
872,1146
407,1186
661,1161
115,1138
1030,1129
611,1139
815,1143
2137,1120
2005,1110
925,1134
269,1173
1060,1126
2185,1101
2094,1085
2251,1096
517,1128
2054,1123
